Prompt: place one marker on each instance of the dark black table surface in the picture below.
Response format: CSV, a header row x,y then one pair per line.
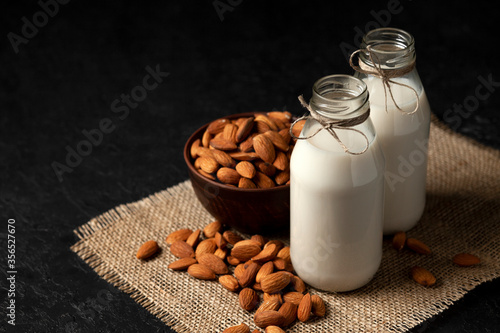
x,y
71,70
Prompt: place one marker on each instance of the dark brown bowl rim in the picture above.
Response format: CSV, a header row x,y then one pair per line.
x,y
187,158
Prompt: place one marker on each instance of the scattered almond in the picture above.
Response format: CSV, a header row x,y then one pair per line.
x,y
194,238
181,249
423,276
147,249
305,307
399,240
268,318
318,306
229,282
289,311
274,329
241,328
293,297
182,264
201,272
269,304
466,259
181,234
248,299
206,246
264,271
213,262
231,237
417,246
275,282
211,229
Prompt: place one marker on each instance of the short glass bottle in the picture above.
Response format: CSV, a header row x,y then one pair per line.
x,y
401,114
336,198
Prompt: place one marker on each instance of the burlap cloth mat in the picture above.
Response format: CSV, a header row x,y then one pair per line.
x,y
462,215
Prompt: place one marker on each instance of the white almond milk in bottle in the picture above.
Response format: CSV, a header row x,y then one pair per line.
x,y
337,197
402,125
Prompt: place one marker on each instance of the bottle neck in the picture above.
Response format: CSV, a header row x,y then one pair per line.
x,y
340,97
388,49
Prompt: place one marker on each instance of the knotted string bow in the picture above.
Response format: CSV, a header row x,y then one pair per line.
x,y
330,125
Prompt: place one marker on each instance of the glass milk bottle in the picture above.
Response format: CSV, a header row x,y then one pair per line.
x,y
337,189
401,115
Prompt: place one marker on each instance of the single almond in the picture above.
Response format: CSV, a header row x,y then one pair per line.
x,y
284,253
283,116
246,183
201,272
318,306
221,253
282,264
268,253
274,329
261,127
229,282
229,132
217,126
266,168
208,164
223,158
297,128
417,246
205,139
231,237
264,271
194,148
277,140
206,246
293,297
222,144
297,284
305,307
182,264
206,174
244,156
181,234
268,296
181,249
244,129
212,228
279,244
248,299
259,239
263,181
194,238
270,304
268,121
228,176
241,328
285,134
399,240
268,318
246,169
247,242
264,148
247,145
275,282
289,311
423,276
205,152
282,177
213,262
233,261
220,241
147,249
281,161
239,270
466,259
247,278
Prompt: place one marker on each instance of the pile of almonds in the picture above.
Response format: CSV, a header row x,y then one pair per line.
x,y
420,274
248,152
263,274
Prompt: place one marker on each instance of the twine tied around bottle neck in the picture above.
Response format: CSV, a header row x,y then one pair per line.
x,y
386,75
330,125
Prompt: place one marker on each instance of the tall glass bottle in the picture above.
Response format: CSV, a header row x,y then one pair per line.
x,y
400,113
336,197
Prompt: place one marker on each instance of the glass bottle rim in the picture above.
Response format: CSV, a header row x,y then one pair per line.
x,y
340,96
391,48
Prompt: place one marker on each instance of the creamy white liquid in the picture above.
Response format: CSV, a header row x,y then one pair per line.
x,y
403,139
336,217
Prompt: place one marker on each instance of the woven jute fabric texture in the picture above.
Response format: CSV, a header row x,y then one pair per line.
x,y
462,215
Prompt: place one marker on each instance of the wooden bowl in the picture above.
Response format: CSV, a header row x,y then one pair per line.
x,y
262,211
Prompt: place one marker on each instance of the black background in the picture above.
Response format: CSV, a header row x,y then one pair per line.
x,y
259,56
